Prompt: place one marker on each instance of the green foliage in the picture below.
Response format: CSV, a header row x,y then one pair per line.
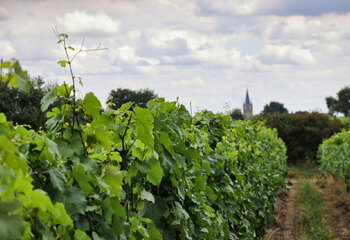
x,y
123,95
14,75
334,156
136,173
346,122
23,107
340,105
303,133
274,107
236,114
312,220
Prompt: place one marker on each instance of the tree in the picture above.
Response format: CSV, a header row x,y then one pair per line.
x,y
123,95
340,105
236,114
275,107
24,107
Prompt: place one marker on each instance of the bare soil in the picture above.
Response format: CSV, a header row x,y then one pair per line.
x,y
286,215
335,199
337,204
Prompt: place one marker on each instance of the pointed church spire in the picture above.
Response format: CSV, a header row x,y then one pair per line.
x,y
247,100
247,107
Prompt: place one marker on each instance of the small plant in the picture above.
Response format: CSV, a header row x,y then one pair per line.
x,y
312,220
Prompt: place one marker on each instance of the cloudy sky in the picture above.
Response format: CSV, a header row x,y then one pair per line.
x,y
206,52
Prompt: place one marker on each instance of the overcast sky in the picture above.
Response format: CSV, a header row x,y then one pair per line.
x,y
206,52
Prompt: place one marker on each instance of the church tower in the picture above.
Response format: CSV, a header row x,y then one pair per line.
x,y
247,107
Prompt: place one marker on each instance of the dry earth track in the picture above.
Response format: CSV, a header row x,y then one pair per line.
x,y
335,199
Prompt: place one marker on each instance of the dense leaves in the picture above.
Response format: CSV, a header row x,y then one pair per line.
x,y
334,156
123,95
236,114
274,107
136,173
23,107
303,133
341,104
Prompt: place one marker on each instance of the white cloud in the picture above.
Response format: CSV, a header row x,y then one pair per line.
x,y
234,7
3,14
195,82
127,55
289,53
79,22
6,49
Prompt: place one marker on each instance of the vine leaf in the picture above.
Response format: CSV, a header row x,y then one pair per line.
x,y
57,179
21,77
147,196
11,221
155,175
92,105
62,63
114,179
144,126
47,100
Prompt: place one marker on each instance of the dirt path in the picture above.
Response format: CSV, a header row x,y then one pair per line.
x,y
286,217
337,204
335,199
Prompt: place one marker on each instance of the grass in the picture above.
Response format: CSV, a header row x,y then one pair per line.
x,y
312,217
306,170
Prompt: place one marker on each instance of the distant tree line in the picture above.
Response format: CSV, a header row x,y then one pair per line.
x,y
341,104
24,107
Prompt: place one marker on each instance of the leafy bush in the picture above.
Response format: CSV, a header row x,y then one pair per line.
x,y
303,133
346,122
334,155
136,173
23,107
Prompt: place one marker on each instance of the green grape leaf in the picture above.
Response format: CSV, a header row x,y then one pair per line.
x,y
52,147
5,64
118,209
64,90
2,118
62,217
62,63
74,201
10,158
82,179
166,142
57,179
11,220
115,156
155,175
147,196
92,105
78,234
104,137
64,149
114,179
47,100
22,78
154,232
144,126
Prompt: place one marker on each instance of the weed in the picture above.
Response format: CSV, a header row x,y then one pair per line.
x,y
312,216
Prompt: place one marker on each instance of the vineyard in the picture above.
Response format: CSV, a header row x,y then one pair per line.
x,y
134,173
159,172
335,156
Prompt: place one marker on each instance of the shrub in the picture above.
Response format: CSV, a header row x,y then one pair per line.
x,y
334,156
303,133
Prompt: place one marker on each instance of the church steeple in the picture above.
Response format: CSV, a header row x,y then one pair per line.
x,y
247,107
247,100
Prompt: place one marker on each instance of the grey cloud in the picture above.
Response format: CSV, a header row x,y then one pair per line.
x,y
3,14
311,7
271,7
